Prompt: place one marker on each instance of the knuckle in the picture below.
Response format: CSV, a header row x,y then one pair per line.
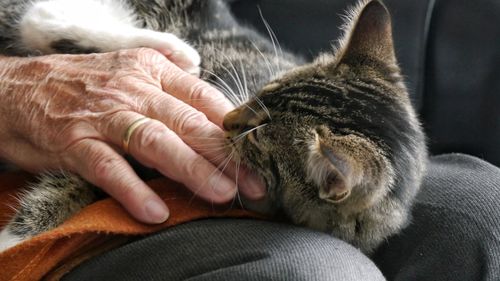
x,y
125,54
143,57
68,136
148,52
189,121
103,167
193,166
202,94
151,103
152,134
138,52
125,191
201,91
170,74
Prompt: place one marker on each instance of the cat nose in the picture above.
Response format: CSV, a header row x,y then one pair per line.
x,y
233,120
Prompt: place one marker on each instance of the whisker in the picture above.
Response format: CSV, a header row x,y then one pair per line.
x,y
218,170
214,149
244,77
272,36
230,94
240,82
227,161
214,142
210,140
208,106
229,158
272,72
263,106
209,148
275,38
242,89
217,158
235,77
200,99
236,180
242,135
222,85
237,97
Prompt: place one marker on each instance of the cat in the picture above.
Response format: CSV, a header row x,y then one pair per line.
x,y
336,140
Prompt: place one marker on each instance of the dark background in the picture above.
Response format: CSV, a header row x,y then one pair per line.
x,y
449,51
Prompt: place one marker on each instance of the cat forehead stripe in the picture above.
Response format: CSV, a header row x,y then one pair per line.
x,y
334,96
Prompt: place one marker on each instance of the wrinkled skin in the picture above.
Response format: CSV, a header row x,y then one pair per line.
x,y
70,112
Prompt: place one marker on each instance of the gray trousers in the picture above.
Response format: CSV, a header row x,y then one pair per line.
x,y
454,235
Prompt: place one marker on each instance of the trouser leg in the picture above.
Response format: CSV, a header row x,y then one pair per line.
x,y
232,249
455,230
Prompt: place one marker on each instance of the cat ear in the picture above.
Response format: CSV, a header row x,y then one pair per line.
x,y
370,36
331,170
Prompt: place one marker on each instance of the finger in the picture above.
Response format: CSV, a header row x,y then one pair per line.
x,y
155,145
191,125
180,117
196,93
200,134
250,184
102,166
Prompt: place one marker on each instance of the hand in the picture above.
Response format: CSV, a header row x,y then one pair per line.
x,y
70,112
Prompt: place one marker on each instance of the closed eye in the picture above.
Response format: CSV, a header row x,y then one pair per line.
x,y
252,133
252,136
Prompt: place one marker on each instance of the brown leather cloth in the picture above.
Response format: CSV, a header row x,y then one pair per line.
x,y
99,227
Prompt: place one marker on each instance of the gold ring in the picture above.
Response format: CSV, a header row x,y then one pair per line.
x,y
130,130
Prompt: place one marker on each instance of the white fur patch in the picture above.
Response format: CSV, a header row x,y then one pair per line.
x,y
8,240
318,167
108,25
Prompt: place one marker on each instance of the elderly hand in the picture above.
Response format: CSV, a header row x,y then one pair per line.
x,y
71,111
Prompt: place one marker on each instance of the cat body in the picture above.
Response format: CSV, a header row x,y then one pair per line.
x,y
336,140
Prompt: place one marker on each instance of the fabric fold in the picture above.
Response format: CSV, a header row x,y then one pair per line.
x,y
99,227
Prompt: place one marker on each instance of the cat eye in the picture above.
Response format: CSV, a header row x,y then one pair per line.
x,y
252,133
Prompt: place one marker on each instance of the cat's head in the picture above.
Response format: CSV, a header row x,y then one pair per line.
x,y
339,133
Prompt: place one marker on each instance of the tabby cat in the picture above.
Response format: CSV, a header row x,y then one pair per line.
x,y
336,140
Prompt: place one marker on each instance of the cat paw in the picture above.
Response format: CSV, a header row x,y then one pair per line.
x,y
60,26
8,240
175,49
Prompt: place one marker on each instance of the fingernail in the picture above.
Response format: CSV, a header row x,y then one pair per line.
x,y
157,211
255,185
223,188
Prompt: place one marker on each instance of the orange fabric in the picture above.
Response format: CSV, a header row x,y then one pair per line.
x,y
98,227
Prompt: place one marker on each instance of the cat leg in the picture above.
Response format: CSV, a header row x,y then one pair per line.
x,y
73,26
47,204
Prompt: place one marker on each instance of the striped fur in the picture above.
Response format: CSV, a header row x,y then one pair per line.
x,y
341,150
